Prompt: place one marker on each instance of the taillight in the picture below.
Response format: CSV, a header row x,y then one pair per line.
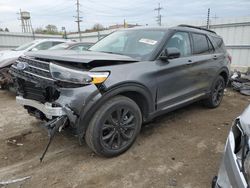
x,y
229,58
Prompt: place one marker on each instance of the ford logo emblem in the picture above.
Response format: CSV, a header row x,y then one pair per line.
x,y
22,65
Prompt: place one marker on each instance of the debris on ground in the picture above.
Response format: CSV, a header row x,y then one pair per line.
x,y
5,78
2,183
170,141
241,82
17,140
172,182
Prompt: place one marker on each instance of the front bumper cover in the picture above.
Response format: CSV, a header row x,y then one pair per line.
x,y
71,102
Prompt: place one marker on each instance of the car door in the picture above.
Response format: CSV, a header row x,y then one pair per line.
x,y
176,76
203,62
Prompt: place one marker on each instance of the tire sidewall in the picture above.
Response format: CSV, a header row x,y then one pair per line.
x,y
98,121
219,78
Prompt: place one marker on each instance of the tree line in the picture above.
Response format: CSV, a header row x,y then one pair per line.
x,y
4,30
53,30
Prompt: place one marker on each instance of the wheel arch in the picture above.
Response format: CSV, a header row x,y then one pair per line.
x,y
224,73
139,93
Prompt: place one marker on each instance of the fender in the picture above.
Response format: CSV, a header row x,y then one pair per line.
x,y
92,106
223,69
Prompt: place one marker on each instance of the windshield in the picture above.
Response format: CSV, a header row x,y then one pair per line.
x,y
24,46
138,44
61,46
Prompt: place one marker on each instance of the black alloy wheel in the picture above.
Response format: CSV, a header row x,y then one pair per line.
x,y
114,127
216,93
118,128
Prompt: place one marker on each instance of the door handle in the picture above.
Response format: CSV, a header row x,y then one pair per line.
x,y
215,57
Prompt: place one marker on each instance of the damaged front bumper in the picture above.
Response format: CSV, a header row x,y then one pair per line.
x,y
47,109
70,103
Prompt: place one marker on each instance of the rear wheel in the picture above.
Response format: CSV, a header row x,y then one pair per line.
x,y
217,92
114,127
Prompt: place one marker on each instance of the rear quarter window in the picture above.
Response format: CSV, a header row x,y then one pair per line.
x,y
200,44
219,44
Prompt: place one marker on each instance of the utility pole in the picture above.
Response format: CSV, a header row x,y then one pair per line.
x,y
78,19
208,18
158,17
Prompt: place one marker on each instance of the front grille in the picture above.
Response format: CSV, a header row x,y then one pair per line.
x,y
34,81
37,71
31,91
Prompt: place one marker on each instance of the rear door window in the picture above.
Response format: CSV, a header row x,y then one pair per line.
x,y
200,44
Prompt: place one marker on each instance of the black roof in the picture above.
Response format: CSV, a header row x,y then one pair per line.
x,y
195,27
181,27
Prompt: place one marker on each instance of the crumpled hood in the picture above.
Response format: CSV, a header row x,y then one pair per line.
x,y
8,57
80,57
245,121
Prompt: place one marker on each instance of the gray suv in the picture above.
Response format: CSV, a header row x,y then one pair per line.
x,y
126,79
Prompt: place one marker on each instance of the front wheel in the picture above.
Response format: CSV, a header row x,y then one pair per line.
x,y
114,127
216,93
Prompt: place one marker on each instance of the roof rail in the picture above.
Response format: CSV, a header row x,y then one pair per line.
x,y
195,27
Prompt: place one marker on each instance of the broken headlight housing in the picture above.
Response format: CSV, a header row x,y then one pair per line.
x,y
70,75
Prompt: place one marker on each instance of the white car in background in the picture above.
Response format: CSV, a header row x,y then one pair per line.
x,y
234,170
8,57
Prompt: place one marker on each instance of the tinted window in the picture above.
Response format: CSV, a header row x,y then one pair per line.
x,y
46,45
80,47
180,40
200,44
56,43
219,45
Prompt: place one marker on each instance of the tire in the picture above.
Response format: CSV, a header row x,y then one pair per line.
x,y
114,127
216,93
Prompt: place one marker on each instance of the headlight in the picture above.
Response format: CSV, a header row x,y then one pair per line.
x,y
76,76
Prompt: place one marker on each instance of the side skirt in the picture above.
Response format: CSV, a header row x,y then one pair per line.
x,y
177,105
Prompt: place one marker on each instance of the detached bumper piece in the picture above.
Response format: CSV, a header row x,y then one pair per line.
x,y
53,126
47,108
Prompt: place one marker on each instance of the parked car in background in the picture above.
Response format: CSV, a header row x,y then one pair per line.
x,y
122,81
77,46
235,166
8,57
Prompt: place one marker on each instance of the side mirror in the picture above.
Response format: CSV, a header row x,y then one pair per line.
x,y
170,53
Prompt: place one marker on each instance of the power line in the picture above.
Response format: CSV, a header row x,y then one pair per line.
x,y
158,17
78,19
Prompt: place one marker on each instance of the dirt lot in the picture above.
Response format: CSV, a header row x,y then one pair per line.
x,y
181,149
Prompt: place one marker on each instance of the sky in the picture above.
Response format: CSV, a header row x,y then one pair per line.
x,y
109,12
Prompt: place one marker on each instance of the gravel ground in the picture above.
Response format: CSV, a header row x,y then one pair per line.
x,y
181,149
